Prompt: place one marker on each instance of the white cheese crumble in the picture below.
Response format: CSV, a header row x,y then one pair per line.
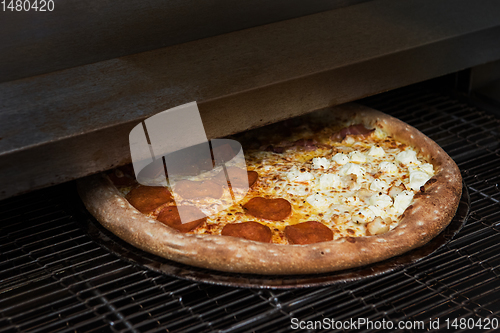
x,y
351,201
376,152
388,167
418,179
298,176
408,157
402,201
426,167
377,211
319,201
378,185
352,169
364,215
357,157
340,158
328,181
320,163
298,189
376,227
349,140
380,200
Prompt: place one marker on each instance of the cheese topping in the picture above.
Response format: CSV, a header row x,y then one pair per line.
x,y
340,158
299,176
402,201
352,169
357,187
408,157
376,152
321,163
388,167
329,181
378,185
357,157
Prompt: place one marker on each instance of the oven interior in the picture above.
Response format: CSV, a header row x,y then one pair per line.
x,y
54,277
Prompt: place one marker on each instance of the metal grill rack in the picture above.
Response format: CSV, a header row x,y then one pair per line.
x,y
53,277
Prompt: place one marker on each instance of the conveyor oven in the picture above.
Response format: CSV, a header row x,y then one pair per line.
x,y
434,66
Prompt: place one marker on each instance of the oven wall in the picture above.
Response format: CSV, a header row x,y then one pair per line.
x,y
77,32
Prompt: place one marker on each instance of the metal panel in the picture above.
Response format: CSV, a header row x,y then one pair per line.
x,y
81,32
71,123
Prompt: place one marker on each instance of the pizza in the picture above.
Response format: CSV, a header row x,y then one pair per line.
x,y
332,190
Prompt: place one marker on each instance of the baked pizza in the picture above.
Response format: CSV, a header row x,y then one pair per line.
x,y
332,190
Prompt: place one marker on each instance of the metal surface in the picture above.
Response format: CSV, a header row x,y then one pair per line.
x,y
76,121
77,32
161,265
53,277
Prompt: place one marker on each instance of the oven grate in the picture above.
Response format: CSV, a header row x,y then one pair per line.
x,y
53,277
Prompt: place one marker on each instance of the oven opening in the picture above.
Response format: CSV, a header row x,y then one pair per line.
x,y
57,274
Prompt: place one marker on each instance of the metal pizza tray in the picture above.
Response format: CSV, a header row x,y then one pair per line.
x,y
129,253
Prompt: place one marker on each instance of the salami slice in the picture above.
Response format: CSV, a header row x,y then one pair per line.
x,y
308,233
248,230
270,209
147,198
170,216
357,129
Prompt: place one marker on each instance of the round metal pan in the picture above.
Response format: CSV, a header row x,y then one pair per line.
x,y
127,252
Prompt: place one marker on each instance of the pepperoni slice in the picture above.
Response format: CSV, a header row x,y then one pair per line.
x,y
248,230
189,189
147,198
308,233
170,216
271,209
237,177
357,129
223,153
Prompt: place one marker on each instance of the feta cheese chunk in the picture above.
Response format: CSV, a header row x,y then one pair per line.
x,y
376,152
381,200
352,169
349,140
377,227
297,176
376,210
364,215
408,157
402,201
418,179
388,167
318,201
427,167
357,157
340,158
351,201
298,189
378,185
328,181
320,163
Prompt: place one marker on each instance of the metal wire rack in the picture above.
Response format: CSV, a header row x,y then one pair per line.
x,y
53,277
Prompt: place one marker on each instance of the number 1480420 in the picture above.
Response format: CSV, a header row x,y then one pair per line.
x,y
27,5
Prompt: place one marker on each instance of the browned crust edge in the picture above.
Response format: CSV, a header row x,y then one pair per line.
x,y
430,213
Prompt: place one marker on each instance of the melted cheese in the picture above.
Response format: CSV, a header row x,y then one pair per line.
x,y
344,186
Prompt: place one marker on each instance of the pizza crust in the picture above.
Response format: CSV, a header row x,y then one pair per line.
x,y
429,214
